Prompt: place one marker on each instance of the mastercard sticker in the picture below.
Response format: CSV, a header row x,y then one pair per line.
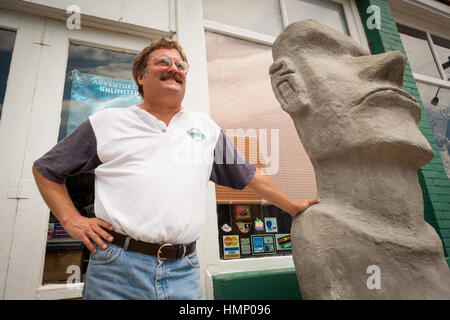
x,y
231,247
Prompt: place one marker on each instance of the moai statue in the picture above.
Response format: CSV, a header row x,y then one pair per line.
x,y
367,239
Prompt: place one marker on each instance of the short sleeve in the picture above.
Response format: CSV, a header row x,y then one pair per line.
x,y
230,168
76,153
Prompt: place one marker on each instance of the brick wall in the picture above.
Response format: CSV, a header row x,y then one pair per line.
x,y
432,177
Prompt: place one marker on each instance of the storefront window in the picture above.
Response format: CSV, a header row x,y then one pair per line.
x,y
418,51
96,79
7,39
442,47
437,106
244,106
327,12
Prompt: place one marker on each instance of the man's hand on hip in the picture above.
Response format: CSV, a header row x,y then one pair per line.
x,y
87,229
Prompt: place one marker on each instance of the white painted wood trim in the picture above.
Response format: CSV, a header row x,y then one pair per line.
x,y
354,23
238,32
9,20
108,40
284,16
253,264
191,35
414,15
430,80
59,291
435,56
14,127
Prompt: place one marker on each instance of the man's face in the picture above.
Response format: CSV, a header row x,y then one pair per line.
x,y
340,102
163,83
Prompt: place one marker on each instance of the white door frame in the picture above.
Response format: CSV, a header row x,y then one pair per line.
x,y
15,187
32,112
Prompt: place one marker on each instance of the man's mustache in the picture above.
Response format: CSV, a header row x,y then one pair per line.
x,y
170,75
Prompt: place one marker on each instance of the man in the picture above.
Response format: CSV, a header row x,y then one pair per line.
x,y
152,163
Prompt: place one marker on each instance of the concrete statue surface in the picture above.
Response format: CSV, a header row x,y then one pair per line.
x,y
367,239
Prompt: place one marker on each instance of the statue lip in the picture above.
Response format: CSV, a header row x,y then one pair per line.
x,y
394,89
413,105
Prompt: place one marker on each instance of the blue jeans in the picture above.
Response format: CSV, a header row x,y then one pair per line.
x,y
116,273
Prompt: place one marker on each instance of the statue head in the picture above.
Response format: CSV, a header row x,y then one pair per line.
x,y
341,97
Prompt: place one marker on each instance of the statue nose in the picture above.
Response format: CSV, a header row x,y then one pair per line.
x,y
388,66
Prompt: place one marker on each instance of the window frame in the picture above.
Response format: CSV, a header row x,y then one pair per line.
x,y
214,263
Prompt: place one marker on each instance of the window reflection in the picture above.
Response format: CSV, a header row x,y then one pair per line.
x,y
327,12
96,79
418,51
7,39
442,47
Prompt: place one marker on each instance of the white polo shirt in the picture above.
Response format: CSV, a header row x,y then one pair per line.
x,y
150,179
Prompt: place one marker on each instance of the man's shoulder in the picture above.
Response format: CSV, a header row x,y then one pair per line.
x,y
201,116
109,114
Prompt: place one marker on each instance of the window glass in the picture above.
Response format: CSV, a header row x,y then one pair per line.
x,y
418,51
7,39
327,12
442,47
243,104
437,106
263,16
96,79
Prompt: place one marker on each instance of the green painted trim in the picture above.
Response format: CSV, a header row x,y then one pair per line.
x,y
432,177
275,284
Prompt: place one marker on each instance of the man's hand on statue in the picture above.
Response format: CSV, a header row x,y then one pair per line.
x,y
302,205
87,229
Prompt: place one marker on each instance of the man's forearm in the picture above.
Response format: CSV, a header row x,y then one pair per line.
x,y
79,227
266,189
56,197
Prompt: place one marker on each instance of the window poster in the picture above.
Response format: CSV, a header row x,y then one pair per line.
x,y
253,231
91,93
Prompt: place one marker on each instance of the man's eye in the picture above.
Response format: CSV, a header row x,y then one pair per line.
x,y
164,61
181,65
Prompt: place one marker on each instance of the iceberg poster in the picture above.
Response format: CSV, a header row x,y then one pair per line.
x,y
92,93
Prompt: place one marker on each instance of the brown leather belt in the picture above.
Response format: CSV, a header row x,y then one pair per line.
x,y
163,251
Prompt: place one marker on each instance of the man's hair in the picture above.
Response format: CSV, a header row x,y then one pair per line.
x,y
140,61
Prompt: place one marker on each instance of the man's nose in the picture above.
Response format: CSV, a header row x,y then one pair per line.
x,y
388,66
173,67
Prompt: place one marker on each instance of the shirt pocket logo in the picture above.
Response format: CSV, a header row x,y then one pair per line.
x,y
196,134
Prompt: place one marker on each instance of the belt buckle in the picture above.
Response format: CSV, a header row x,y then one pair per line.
x,y
160,249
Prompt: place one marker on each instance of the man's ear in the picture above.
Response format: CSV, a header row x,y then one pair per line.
x,y
140,78
289,87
